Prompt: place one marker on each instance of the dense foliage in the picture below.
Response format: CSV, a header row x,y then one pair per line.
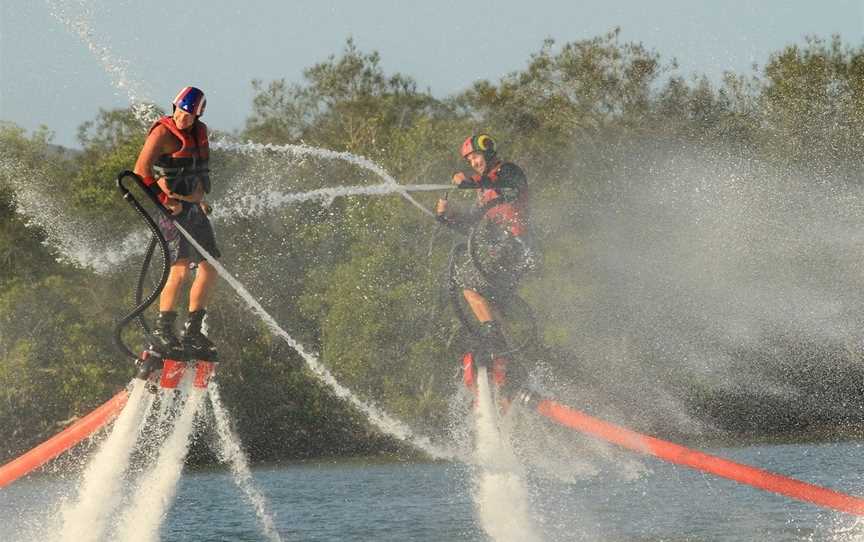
x,y
358,283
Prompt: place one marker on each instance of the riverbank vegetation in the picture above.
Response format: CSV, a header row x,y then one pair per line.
x,y
655,306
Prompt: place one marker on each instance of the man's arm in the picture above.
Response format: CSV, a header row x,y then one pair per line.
x,y
156,144
151,151
510,183
446,216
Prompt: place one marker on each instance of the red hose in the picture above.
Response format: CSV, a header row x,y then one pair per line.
x,y
63,440
680,455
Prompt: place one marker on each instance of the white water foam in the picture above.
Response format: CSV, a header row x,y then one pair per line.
x,y
501,497
231,452
847,530
102,481
143,517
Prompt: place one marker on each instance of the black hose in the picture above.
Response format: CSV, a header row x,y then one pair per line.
x,y
157,238
472,251
510,304
456,293
142,276
470,230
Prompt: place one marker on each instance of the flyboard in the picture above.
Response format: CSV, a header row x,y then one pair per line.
x,y
162,372
508,396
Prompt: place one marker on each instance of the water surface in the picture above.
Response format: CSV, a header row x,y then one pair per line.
x,y
369,500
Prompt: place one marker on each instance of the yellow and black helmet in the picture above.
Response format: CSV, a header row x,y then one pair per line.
x,y
479,143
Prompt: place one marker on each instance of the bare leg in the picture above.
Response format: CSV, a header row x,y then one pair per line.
x,y
176,277
205,278
479,305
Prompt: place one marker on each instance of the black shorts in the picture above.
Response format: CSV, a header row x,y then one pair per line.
x,y
193,219
499,263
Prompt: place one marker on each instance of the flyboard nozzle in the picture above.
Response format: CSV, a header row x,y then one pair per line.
x,y
149,361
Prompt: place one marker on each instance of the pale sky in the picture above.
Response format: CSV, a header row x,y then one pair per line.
x,y
49,76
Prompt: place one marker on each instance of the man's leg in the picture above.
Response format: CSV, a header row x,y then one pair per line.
x,y
479,306
199,295
176,278
165,340
196,344
491,340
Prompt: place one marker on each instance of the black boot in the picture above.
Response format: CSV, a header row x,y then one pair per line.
x,y
195,344
165,342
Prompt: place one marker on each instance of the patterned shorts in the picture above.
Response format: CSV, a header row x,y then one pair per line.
x,y
193,219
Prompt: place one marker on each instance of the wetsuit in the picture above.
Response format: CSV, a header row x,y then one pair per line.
x,y
502,251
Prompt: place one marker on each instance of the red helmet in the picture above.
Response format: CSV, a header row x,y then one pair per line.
x,y
479,143
191,100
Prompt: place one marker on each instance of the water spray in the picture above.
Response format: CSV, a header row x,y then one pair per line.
x,y
143,517
230,451
303,151
249,206
101,486
621,436
501,497
378,418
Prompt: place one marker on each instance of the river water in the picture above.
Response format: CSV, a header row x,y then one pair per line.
x,y
373,500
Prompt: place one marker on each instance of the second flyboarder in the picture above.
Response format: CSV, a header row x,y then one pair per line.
x,y
499,224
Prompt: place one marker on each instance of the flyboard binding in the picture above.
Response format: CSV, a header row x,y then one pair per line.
x,y
168,372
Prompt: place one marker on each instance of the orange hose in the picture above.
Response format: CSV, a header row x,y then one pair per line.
x,y
680,455
63,440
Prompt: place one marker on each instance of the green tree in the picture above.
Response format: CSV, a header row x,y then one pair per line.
x,y
813,104
346,103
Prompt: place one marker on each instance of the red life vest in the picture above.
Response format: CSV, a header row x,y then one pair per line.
x,y
512,215
185,166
